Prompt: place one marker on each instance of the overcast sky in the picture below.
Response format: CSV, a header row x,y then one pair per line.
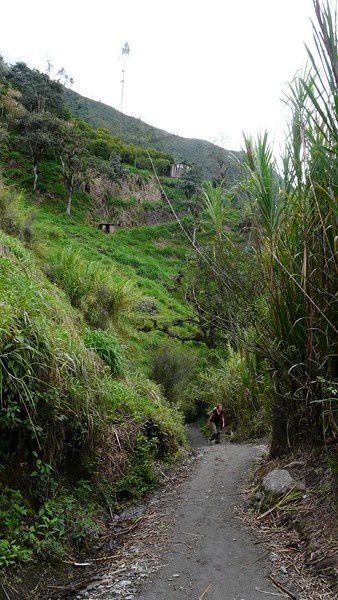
x,y
208,69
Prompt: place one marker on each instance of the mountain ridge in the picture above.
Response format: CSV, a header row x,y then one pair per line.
x,y
213,160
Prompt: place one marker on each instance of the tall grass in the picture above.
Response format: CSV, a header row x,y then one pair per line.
x,y
44,404
58,396
12,214
91,288
296,226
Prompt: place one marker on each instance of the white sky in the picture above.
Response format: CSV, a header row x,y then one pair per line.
x,y
208,69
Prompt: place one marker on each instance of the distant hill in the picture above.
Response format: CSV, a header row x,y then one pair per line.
x,y
213,159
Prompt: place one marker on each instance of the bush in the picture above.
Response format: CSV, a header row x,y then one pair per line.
x,y
140,476
173,369
58,524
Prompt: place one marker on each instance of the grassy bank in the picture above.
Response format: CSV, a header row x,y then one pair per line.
x,y
81,425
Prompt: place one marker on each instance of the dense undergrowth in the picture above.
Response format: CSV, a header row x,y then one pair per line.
x,y
79,430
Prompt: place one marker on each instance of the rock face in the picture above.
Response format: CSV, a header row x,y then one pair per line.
x,y
279,481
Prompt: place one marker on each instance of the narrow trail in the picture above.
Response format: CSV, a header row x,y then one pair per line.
x,y
211,555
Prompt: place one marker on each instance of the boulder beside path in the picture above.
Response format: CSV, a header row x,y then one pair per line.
x,y
279,481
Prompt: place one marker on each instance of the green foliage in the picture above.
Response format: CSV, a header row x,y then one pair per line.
x,y
103,145
72,155
213,160
173,369
296,228
59,396
218,210
35,123
12,211
42,363
139,477
240,384
39,93
39,133
91,288
191,181
108,348
49,532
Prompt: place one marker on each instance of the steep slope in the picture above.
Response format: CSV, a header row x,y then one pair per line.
x,y
212,159
76,403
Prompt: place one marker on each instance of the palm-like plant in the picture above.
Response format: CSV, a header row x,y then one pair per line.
x,y
296,220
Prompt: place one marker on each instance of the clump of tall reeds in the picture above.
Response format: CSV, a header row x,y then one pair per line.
x,y
91,288
296,223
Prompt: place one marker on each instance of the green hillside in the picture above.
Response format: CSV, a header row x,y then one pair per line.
x,y
203,292
89,322
213,160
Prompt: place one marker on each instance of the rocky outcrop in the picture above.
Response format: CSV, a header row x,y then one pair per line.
x,y
102,188
128,202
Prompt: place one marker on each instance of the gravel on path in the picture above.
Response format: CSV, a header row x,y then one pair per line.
x,y
211,556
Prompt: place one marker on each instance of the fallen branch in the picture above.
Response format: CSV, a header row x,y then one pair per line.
x,y
4,591
266,592
107,557
281,587
207,589
133,526
179,542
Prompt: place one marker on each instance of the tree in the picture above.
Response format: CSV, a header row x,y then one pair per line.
x,y
40,135
3,70
72,156
221,278
39,93
191,181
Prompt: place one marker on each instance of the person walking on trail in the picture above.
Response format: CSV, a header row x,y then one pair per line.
x,y
216,422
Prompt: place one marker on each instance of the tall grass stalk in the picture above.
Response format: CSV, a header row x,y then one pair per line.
x,y
296,223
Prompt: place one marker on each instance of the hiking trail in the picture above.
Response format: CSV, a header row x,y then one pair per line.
x,y
187,542
218,558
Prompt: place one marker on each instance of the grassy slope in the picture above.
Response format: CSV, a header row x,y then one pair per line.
x,y
60,392
202,153
148,257
58,397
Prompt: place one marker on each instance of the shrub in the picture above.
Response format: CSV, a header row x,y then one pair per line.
x,y
59,523
173,369
140,476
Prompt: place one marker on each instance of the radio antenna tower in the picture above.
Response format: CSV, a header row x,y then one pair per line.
x,y
125,54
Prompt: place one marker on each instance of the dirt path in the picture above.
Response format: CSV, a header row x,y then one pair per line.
x,y
185,542
211,556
